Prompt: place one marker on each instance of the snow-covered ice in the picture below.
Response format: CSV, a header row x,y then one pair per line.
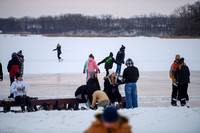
x,y
45,75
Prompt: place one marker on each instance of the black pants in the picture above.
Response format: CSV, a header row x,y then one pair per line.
x,y
24,101
183,95
58,56
11,80
113,96
174,95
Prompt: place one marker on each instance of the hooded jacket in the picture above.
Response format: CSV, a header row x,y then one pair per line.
x,y
13,66
16,84
109,61
120,56
131,73
121,126
182,74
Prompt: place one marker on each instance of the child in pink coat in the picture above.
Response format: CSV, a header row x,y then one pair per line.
x,y
92,66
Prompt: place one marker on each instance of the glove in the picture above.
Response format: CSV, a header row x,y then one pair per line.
x,y
173,79
83,70
98,64
98,71
115,85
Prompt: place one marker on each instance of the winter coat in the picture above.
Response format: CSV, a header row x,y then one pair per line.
x,y
1,71
172,70
82,90
182,74
58,48
98,96
16,84
93,85
109,62
13,66
131,73
91,66
121,126
21,60
86,65
120,56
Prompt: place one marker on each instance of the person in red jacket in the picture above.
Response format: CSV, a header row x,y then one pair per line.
x,y
13,68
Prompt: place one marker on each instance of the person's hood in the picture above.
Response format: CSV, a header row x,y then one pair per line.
x,y
91,60
111,54
92,74
14,55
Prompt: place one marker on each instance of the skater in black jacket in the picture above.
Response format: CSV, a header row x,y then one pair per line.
x,y
1,72
182,75
58,48
108,62
120,58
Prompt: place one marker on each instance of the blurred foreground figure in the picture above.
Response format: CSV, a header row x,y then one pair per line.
x,y
109,122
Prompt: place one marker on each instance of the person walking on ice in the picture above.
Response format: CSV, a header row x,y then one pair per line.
x,y
120,58
108,62
58,48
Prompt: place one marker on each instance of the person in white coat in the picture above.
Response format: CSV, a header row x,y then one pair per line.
x,y
19,89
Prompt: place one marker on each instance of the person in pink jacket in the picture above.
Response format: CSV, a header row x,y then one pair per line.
x,y
92,66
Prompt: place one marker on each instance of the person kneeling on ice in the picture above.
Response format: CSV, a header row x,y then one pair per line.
x,y
19,89
109,122
101,98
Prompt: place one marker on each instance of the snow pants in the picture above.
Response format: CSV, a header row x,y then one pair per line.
x,y
174,95
183,95
131,95
24,101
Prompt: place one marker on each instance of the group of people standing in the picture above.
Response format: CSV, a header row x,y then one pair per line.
x,y
92,93
180,75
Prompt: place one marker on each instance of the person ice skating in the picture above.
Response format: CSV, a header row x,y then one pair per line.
x,y
182,75
101,98
13,67
109,122
108,62
120,59
173,68
90,65
19,89
130,77
58,48
21,60
1,72
111,88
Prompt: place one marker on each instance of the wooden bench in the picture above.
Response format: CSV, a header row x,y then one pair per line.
x,y
61,101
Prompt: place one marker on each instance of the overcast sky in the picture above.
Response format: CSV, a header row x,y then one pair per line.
x,y
116,8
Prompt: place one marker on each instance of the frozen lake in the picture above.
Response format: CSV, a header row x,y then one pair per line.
x,y
148,53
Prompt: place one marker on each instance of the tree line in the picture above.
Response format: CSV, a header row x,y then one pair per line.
x,y
185,21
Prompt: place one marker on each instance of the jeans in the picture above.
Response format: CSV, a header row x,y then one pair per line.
x,y
131,95
118,70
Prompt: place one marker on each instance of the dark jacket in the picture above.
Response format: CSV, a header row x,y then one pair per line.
x,y
93,85
182,75
109,61
121,126
120,56
130,75
112,90
13,65
58,48
1,72
82,90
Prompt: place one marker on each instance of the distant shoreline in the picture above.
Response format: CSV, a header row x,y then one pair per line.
x,y
111,36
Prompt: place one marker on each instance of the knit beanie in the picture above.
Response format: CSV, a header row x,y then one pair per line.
x,y
122,47
110,115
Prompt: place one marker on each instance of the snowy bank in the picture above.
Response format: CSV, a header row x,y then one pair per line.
x,y
142,120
